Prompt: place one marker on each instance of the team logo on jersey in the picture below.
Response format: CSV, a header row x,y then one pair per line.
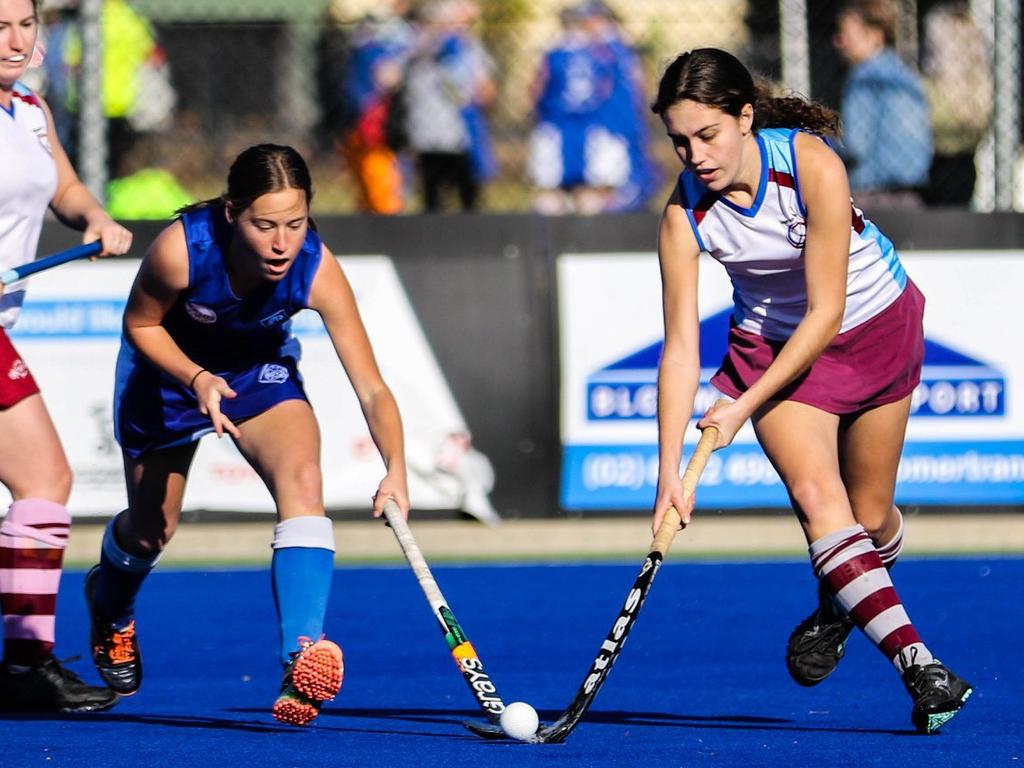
x,y
200,314
272,373
275,319
18,370
796,232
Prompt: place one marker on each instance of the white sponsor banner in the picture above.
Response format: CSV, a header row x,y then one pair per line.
x,y
965,440
69,333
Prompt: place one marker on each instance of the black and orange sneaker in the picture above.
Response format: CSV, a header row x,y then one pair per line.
x,y
312,677
115,650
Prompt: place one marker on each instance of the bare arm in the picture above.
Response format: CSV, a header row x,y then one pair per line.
x,y
679,369
75,205
163,275
826,192
331,296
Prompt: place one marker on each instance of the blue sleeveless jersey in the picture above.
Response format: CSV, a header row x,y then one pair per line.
x,y
245,339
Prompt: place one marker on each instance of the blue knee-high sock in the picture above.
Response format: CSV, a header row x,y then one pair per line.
x,y
119,580
301,569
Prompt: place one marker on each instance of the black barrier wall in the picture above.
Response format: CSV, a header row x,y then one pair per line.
x,y
483,288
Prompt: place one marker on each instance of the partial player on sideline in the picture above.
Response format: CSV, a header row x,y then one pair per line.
x,y
35,173
207,348
825,350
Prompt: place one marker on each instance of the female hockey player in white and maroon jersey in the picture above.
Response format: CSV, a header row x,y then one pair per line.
x,y
35,174
825,349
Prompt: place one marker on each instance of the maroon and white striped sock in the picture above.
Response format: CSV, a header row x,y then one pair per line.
x,y
847,560
33,537
891,551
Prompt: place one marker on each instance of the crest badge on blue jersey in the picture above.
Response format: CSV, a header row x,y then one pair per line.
x,y
272,373
200,313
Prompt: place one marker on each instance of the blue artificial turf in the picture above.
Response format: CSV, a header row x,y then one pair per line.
x,y
700,682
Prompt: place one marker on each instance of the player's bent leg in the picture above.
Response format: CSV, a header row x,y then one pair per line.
x,y
313,675
848,561
111,587
818,643
801,442
283,446
132,545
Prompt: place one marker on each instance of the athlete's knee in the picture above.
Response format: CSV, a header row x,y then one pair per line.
x,y
878,516
305,488
144,535
51,480
813,494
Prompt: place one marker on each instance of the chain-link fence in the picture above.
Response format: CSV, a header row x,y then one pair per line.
x,y
513,105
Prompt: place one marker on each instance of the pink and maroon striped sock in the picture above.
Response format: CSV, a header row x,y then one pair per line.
x,y
33,537
891,551
848,561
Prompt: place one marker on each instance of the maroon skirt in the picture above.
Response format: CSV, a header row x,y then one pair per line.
x,y
875,363
16,382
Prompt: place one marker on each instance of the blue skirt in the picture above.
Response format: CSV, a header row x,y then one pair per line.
x,y
152,411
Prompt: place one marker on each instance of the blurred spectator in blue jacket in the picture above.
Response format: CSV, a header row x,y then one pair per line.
x,y
887,139
588,151
572,162
625,112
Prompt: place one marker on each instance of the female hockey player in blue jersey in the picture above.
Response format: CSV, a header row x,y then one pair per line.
x,y
207,348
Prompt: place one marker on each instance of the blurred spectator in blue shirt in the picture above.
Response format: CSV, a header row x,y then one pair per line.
x,y
588,151
625,112
887,139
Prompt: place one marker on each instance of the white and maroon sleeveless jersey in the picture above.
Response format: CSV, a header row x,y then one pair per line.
x,y
762,247
28,181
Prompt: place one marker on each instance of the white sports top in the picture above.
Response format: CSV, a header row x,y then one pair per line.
x,y
762,247
28,181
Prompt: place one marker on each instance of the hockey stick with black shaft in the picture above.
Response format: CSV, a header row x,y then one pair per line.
x,y
609,651
465,656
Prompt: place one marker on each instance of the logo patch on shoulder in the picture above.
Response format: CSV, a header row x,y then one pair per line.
x,y
200,314
272,373
275,319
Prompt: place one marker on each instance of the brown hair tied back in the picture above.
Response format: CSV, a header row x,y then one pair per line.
x,y
716,78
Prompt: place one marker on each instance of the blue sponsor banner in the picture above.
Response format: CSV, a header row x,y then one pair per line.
x,y
740,476
953,384
70,319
